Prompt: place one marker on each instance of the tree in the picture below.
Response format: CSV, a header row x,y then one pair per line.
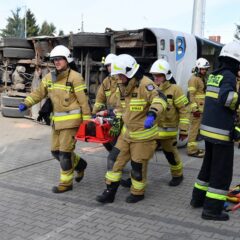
x,y
237,33
15,26
47,29
61,33
32,27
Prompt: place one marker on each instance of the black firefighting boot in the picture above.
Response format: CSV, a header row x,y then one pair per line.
x,y
108,195
134,198
198,197
126,183
81,166
175,181
213,210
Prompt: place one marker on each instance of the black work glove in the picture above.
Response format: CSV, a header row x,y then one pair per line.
x,y
116,127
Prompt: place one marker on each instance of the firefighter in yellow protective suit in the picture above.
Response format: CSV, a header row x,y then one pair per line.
x,y
238,89
237,120
107,97
142,104
196,93
176,116
68,93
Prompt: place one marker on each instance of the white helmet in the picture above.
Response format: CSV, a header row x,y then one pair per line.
x,y
124,64
231,50
202,63
109,59
161,66
61,51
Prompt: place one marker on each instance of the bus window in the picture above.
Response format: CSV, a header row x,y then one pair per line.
x,y
171,44
180,47
162,44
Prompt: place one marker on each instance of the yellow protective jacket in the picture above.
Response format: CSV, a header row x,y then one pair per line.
x,y
177,114
142,96
238,109
107,95
68,94
196,92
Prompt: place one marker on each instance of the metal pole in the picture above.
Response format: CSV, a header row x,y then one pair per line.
x,y
198,18
25,22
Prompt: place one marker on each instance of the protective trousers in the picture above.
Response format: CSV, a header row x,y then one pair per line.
x,y
139,153
214,178
63,145
170,151
192,146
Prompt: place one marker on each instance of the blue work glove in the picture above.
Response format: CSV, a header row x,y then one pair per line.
x,y
111,113
149,121
22,107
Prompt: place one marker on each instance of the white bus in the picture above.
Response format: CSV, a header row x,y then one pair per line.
x,y
180,49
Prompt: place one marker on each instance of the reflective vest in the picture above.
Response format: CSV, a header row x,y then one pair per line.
x,y
68,94
220,107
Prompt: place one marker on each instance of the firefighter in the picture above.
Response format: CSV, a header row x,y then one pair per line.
x,y
238,110
196,93
176,116
217,128
106,98
142,104
68,93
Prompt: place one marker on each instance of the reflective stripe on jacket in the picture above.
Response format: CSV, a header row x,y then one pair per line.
x,y
196,93
69,98
143,97
177,113
106,95
220,104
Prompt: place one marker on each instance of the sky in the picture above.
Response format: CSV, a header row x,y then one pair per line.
x,y
221,16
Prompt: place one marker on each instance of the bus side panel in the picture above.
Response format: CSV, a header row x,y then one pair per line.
x,y
185,64
181,63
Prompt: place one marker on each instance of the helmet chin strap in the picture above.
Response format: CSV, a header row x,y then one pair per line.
x,y
126,88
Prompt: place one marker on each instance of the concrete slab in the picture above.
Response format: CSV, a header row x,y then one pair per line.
x,y
29,210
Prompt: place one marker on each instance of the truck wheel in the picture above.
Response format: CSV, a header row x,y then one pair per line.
x,y
13,112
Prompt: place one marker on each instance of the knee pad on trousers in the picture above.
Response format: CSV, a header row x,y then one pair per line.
x,y
112,157
65,160
170,157
56,154
136,172
82,164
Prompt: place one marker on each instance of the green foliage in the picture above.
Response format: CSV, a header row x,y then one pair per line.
x,y
237,33
32,27
15,26
47,29
61,33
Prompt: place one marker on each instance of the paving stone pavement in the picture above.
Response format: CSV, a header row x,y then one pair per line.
x,y
30,211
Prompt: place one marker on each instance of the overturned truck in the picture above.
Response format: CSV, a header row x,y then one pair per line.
x,y
23,62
